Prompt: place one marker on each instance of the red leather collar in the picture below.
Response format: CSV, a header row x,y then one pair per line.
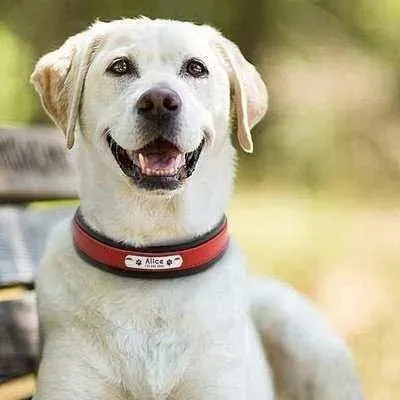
x,y
149,262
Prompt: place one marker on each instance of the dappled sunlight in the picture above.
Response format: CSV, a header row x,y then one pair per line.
x,y
353,295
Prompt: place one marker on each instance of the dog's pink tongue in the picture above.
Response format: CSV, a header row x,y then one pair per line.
x,y
162,161
160,157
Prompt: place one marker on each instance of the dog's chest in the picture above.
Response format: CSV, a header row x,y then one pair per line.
x,y
153,332
150,352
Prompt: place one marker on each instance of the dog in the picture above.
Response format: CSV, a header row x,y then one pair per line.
x,y
148,107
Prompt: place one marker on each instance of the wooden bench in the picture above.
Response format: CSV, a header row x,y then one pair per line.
x,y
34,169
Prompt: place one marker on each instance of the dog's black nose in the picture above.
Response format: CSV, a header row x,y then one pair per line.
x,y
159,102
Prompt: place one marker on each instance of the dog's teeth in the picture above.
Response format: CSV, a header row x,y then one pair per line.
x,y
142,162
178,161
158,172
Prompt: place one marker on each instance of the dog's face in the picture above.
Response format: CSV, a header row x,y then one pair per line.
x,y
153,97
163,95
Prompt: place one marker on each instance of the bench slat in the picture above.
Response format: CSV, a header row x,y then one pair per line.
x,y
19,337
34,165
23,237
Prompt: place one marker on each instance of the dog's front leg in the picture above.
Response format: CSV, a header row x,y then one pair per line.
x,y
66,373
309,361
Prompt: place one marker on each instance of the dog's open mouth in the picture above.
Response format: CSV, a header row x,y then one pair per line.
x,y
158,165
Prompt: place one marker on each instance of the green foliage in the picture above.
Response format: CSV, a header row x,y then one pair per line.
x,y
16,101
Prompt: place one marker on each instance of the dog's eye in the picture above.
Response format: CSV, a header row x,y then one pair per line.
x,y
121,66
195,68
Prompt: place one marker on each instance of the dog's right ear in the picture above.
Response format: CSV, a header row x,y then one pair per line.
x,y
59,78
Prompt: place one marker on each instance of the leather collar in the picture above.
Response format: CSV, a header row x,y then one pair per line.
x,y
149,262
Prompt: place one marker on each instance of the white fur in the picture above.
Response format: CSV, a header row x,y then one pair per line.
x,y
108,337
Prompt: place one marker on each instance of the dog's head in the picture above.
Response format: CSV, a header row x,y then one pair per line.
x,y
153,97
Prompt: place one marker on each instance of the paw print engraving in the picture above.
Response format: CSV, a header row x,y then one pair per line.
x,y
169,261
138,262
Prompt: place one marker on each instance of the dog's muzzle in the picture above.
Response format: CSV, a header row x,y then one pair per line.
x,y
159,165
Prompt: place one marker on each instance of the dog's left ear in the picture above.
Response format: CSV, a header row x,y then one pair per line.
x,y
249,91
59,79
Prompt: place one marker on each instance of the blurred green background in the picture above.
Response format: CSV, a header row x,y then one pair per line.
x,y
316,204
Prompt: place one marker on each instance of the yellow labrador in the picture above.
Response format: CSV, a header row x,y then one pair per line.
x,y
169,312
